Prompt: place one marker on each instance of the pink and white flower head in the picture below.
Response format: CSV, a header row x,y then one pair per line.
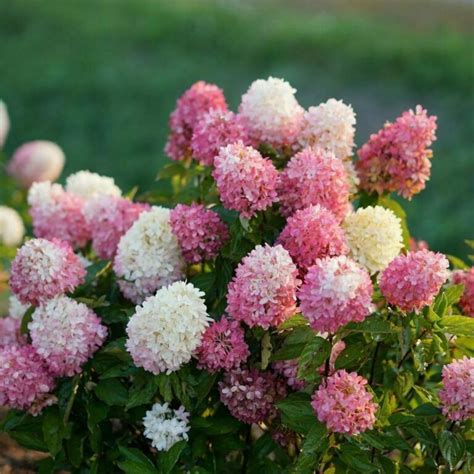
x,y
466,277
314,176
16,309
36,161
12,229
25,383
263,291
4,124
217,128
65,334
458,387
250,395
199,99
288,369
312,233
271,112
57,214
148,256
223,346
397,158
88,185
109,218
413,280
200,232
246,181
343,403
167,328
336,291
43,269
10,333
329,126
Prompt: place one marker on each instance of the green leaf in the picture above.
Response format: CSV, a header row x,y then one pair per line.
x,y
452,447
398,210
204,281
309,458
313,356
112,392
97,411
294,344
295,321
457,263
458,325
164,386
26,319
168,459
297,413
75,449
216,425
453,294
135,462
53,430
373,326
355,458
352,356
142,391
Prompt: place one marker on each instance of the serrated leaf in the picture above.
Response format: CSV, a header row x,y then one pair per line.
x,y
356,458
135,462
373,326
297,413
458,325
308,458
452,447
313,356
112,392
53,430
168,459
453,294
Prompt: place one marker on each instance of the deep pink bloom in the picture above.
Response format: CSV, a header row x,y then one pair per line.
x,y
250,394
57,214
109,217
43,269
25,383
343,403
199,99
216,129
312,233
458,388
200,231
397,158
246,181
263,291
314,176
413,280
336,291
466,278
288,369
223,346
10,332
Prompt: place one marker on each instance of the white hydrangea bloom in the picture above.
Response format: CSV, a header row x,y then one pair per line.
x,y
167,328
88,185
165,426
148,255
16,309
4,123
374,236
271,112
330,126
12,229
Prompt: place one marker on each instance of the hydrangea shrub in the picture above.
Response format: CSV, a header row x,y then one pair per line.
x,y
262,310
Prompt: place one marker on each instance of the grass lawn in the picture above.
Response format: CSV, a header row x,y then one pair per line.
x,y
101,77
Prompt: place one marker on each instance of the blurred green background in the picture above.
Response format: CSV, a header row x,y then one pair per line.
x,y
100,78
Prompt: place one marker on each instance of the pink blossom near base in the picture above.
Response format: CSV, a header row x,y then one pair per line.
x,y
466,278
314,176
222,346
43,269
397,158
10,333
263,290
215,129
336,291
246,181
200,232
412,281
312,233
250,394
457,400
344,404
109,218
199,99
288,369
57,214
25,383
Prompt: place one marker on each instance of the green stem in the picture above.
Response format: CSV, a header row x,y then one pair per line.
x,y
70,402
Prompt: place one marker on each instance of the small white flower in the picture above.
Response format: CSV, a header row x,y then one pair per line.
x,y
12,229
88,185
16,309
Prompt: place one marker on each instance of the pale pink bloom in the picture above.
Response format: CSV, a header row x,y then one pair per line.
x,y
415,245
466,277
288,369
10,332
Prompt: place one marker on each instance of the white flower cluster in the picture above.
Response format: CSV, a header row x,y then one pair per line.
x,y
167,328
148,256
88,185
12,229
374,236
4,124
165,426
16,309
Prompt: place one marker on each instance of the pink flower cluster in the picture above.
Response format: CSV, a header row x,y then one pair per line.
x,y
216,129
43,269
288,369
263,291
397,158
108,218
458,387
336,291
250,394
413,280
200,231
190,107
343,403
25,382
57,214
223,346
314,176
467,299
246,181
10,332
312,233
